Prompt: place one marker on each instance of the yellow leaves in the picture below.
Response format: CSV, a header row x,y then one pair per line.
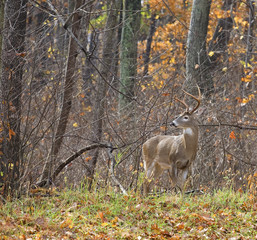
x,y
87,109
67,223
143,87
10,165
250,97
51,52
104,221
159,7
246,100
50,49
218,13
211,53
229,157
238,19
172,60
75,124
248,65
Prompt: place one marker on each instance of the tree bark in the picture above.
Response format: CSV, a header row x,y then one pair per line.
x,y
99,106
196,57
129,38
250,31
15,15
149,43
1,29
220,38
67,96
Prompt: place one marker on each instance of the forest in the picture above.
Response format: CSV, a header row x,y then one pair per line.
x,y
85,83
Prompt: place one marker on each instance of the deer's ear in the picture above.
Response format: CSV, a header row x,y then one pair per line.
x,y
200,111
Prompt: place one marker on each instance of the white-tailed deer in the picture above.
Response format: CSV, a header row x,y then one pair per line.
x,y
172,153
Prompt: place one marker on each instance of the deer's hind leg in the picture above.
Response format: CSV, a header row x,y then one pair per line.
x,y
152,174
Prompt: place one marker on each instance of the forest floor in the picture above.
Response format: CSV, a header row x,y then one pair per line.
x,y
78,214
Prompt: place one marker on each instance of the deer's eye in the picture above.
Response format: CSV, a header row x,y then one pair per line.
x,y
186,117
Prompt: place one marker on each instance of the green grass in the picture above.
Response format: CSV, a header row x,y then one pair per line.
x,y
78,214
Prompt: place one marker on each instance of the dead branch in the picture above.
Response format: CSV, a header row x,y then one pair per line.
x,y
69,160
242,127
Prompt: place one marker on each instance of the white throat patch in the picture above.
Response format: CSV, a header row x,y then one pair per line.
x,y
188,131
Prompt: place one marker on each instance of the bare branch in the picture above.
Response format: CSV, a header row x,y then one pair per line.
x,y
70,159
111,169
230,125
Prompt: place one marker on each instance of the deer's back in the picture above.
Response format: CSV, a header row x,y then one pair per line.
x,y
158,148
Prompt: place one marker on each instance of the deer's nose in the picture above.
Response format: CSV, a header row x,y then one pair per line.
x,y
173,124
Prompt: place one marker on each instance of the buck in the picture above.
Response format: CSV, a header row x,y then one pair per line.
x,y
173,153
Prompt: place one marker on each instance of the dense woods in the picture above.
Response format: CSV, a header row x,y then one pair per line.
x,y
84,83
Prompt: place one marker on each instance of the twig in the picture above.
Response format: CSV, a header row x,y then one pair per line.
x,y
3,199
111,169
230,125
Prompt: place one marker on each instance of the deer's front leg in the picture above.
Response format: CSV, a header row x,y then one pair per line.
x,y
173,173
183,180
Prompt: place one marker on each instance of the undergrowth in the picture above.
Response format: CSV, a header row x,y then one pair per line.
x,y
79,214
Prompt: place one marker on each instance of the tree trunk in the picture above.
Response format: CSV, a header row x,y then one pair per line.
x,y
1,29
196,57
99,106
250,32
116,58
129,38
67,96
15,15
149,44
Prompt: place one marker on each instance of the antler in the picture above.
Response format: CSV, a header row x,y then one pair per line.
x,y
197,99
187,108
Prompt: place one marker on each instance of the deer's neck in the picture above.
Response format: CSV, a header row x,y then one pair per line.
x,y
191,137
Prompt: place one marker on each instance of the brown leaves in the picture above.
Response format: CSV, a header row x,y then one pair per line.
x,y
11,133
232,135
104,215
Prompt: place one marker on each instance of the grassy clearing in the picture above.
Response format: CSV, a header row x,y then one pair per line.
x,y
105,215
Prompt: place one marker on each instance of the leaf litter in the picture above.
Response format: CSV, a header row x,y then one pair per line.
x,y
84,215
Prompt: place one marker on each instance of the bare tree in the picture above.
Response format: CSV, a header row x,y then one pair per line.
x,y
129,38
99,105
149,43
67,94
11,88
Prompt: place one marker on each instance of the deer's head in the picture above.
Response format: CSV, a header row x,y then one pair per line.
x,y
187,118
